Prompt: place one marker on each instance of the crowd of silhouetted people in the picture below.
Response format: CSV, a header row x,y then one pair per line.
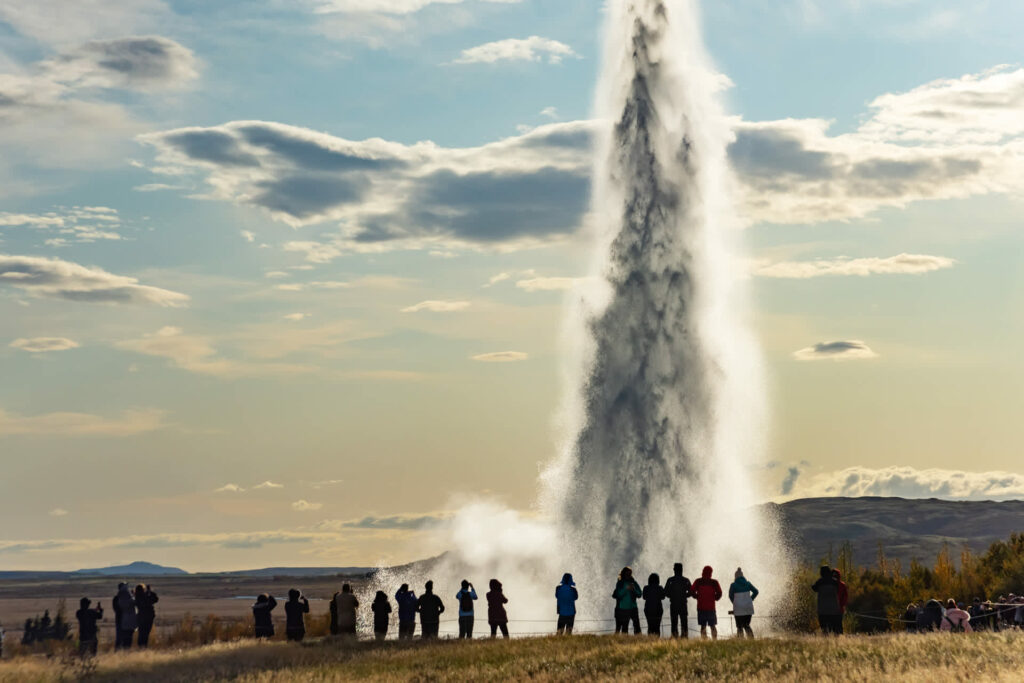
x,y
134,610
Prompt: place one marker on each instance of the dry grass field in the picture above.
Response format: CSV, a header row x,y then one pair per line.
x,y
938,657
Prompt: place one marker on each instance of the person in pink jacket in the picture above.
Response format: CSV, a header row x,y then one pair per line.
x,y
956,620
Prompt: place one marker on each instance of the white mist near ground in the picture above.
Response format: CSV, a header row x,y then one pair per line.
x,y
664,416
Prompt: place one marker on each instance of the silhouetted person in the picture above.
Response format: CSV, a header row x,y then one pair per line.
x,y
956,620
933,614
566,596
742,594
88,632
295,611
466,596
843,595
626,593
406,600
707,591
129,616
263,621
677,590
346,604
497,617
145,599
910,618
654,593
830,614
117,616
430,608
28,635
381,609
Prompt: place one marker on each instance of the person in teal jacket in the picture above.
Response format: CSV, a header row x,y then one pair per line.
x,y
626,593
742,594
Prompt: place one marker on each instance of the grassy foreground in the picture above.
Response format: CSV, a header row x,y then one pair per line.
x,y
935,657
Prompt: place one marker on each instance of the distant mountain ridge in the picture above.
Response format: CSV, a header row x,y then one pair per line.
x,y
906,528
137,568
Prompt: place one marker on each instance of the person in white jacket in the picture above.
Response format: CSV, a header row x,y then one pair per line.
x,y
956,619
742,594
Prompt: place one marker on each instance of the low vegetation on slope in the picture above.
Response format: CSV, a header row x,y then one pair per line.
x,y
936,657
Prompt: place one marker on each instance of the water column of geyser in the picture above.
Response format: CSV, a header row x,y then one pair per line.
x,y
666,416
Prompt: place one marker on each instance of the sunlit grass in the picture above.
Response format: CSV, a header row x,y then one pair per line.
x,y
938,657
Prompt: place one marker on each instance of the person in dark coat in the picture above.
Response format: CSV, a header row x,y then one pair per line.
x,y
295,611
654,594
263,622
844,596
129,618
145,598
566,596
626,593
346,604
708,592
406,600
117,616
381,609
933,614
830,614
910,618
497,617
677,590
430,608
88,640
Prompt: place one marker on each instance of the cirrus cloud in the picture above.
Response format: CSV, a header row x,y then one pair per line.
x,y
44,344
902,264
129,423
501,357
437,306
836,350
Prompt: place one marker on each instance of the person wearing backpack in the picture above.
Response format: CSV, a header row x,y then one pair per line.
x,y
406,600
497,617
741,595
466,596
677,590
956,620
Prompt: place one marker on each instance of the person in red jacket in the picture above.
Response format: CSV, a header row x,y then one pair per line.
x,y
708,592
844,598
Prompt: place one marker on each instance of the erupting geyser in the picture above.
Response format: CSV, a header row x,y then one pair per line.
x,y
666,411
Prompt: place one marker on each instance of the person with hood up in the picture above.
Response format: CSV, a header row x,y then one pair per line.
x,y
346,603
145,598
742,594
466,597
88,642
406,600
626,593
295,611
677,590
707,591
566,596
844,596
830,616
430,608
381,609
129,617
957,620
653,594
497,617
263,622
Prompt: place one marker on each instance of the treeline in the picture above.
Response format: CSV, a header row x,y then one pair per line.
x,y
880,593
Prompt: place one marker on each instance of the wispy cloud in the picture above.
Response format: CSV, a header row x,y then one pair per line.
x,y
836,350
55,278
229,488
908,482
58,512
44,344
547,284
532,49
436,306
306,506
63,424
501,357
902,264
268,485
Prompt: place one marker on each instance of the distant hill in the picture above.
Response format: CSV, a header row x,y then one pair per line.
x,y
906,528
133,569
299,571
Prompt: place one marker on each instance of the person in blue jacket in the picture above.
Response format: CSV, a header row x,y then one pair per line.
x,y
566,596
406,600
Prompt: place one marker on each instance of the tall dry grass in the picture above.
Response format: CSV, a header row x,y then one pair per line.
x,y
934,657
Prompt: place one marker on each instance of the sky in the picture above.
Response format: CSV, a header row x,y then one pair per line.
x,y
283,283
